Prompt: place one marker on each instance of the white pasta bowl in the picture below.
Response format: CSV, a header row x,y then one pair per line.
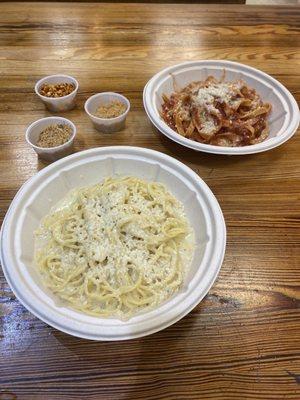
x,y
47,187
283,120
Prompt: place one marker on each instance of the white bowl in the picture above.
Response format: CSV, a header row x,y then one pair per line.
x,y
48,186
58,104
106,125
50,153
284,118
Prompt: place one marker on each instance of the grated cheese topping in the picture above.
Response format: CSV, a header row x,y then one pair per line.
x,y
120,232
206,97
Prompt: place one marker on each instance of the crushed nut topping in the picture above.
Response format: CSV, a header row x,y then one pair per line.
x,y
57,90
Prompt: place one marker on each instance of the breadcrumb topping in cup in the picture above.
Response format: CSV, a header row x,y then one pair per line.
x,y
54,135
111,110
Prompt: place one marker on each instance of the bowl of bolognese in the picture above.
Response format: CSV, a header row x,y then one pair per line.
x,y
221,107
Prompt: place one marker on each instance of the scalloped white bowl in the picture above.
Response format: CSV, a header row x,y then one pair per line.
x,y
47,187
283,120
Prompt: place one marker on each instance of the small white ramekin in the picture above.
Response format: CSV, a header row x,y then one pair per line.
x,y
106,125
58,104
49,153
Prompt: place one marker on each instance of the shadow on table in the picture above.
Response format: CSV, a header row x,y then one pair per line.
x,y
190,156
212,161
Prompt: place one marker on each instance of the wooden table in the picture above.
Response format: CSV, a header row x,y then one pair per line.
x,y
242,341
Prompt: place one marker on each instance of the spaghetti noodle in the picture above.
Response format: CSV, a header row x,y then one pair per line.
x,y
115,248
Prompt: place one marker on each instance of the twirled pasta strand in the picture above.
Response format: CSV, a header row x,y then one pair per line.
x,y
116,248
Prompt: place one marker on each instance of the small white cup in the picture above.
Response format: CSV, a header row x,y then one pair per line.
x,y
57,104
106,125
49,153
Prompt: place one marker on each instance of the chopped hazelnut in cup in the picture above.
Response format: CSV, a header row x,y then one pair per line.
x,y
57,90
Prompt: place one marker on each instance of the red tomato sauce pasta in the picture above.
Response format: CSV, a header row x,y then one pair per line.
x,y
218,113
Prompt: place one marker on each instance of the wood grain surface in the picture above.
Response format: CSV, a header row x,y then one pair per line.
x,y
243,340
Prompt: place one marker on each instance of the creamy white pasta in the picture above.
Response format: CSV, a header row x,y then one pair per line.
x,y
115,248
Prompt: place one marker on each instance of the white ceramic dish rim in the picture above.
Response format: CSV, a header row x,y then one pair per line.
x,y
44,79
283,135
61,146
105,120
156,322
